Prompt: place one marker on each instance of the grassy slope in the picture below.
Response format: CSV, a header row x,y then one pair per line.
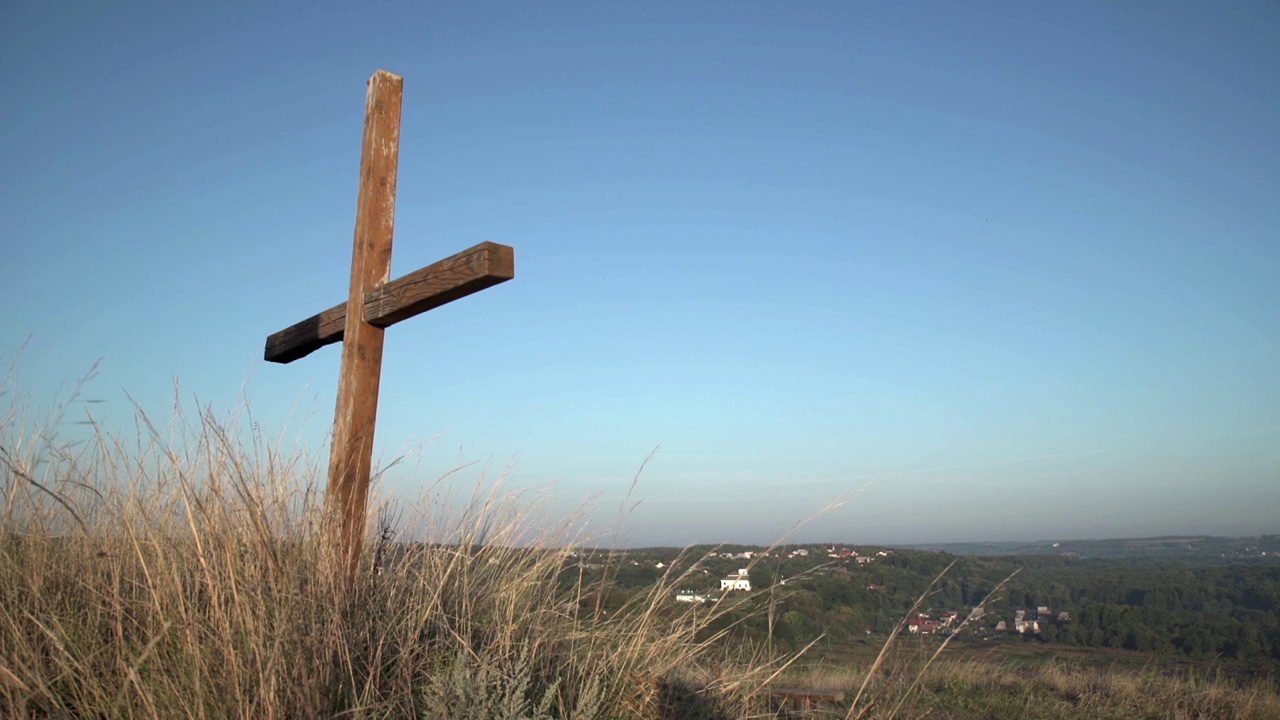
x,y
179,573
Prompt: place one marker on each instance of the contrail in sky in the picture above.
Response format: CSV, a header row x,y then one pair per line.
x,y
988,463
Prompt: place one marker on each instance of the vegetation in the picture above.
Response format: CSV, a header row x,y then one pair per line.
x,y
1183,547
1228,611
179,573
1055,690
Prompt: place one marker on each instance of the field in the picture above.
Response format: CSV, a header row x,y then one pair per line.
x,y
988,688
180,573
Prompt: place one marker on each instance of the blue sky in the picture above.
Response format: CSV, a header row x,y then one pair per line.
x,y
1010,270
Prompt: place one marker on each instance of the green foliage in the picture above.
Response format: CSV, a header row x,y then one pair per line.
x,y
1200,610
469,689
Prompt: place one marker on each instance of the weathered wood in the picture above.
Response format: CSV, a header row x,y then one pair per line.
x,y
357,406
373,304
803,700
470,271
301,339
480,267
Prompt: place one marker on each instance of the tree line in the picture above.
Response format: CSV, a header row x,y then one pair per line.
x,y
1200,610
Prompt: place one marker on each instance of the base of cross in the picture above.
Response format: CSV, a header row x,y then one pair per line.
x,y
799,700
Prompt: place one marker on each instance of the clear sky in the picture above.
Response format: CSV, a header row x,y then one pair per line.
x,y
1011,269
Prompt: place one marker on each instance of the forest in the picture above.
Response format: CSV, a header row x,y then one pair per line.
x,y
1198,609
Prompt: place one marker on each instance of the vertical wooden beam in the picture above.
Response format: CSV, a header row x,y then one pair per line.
x,y
357,406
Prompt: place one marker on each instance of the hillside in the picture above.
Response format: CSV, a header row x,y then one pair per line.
x,y
1221,609
1195,547
183,574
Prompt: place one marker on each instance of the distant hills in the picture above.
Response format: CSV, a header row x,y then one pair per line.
x,y
1207,547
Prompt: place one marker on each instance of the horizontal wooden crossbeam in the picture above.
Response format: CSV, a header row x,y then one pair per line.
x,y
470,271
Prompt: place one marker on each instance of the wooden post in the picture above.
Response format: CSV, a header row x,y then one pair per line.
x,y
374,302
357,410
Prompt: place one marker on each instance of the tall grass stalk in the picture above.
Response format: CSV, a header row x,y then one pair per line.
x,y
977,612
888,643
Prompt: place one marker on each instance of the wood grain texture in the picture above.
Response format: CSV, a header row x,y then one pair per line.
x,y
470,271
301,339
474,269
374,303
357,405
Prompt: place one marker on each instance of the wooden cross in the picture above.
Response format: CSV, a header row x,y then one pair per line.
x,y
373,303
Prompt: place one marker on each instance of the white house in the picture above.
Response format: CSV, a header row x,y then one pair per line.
x,y
738,581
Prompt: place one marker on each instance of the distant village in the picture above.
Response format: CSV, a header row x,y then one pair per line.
x,y
741,580
937,623
849,593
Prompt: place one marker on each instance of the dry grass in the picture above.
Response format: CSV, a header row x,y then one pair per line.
x,y
177,573
908,684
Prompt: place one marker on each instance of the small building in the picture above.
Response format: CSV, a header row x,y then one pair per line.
x,y
689,596
738,581
922,626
